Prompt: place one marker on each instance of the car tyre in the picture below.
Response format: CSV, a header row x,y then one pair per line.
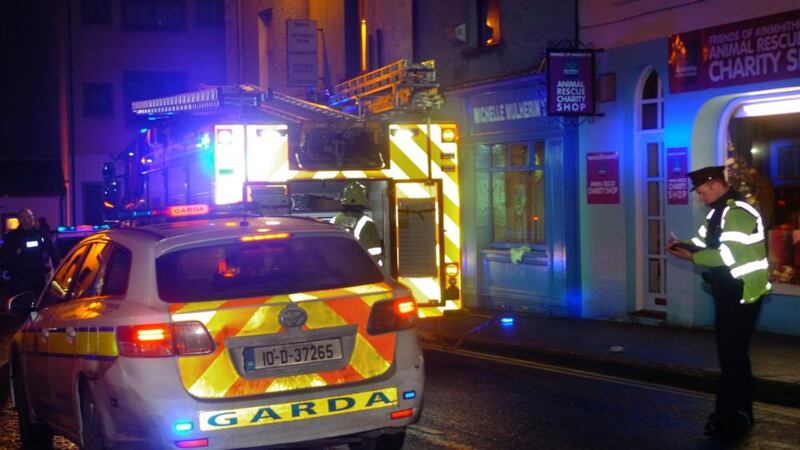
x,y
32,435
387,441
92,436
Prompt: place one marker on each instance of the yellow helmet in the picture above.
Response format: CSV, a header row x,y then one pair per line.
x,y
354,194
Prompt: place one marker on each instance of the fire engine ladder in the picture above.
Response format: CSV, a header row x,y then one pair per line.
x,y
387,88
217,98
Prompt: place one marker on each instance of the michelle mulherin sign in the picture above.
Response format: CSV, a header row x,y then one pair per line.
x,y
756,50
570,78
602,178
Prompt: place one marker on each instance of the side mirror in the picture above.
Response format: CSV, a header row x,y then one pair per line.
x,y
22,304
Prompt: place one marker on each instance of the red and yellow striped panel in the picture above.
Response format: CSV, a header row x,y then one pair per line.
x,y
214,376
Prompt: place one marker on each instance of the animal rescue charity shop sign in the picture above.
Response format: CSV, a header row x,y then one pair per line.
x,y
570,82
751,51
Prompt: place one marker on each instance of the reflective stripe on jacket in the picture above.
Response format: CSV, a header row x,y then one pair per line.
x,y
741,248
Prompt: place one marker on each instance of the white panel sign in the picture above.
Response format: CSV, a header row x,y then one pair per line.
x,y
301,49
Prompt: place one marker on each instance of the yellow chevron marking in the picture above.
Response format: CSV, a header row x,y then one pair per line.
x,y
201,316
424,289
325,174
217,379
301,297
354,174
452,231
366,360
263,321
200,306
322,316
295,382
413,190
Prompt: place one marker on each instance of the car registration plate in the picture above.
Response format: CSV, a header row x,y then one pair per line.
x,y
292,354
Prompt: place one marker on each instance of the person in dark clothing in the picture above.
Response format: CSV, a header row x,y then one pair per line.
x,y
731,246
25,256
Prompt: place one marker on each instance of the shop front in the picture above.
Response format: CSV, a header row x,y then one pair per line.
x,y
724,95
519,213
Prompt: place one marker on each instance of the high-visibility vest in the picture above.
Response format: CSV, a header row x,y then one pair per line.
x,y
741,248
363,228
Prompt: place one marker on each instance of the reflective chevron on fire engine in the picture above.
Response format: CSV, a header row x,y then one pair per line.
x,y
409,162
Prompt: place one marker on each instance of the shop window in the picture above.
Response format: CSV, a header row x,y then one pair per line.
x,y
652,103
764,166
515,185
154,15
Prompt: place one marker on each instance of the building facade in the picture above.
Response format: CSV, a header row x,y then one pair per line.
x,y
694,84
119,51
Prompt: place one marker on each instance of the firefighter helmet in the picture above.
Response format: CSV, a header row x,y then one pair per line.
x,y
354,194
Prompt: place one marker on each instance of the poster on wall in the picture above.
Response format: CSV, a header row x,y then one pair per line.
x,y
602,178
677,178
570,82
749,51
301,52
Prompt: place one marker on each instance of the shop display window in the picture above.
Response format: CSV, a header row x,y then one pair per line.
x,y
514,174
764,166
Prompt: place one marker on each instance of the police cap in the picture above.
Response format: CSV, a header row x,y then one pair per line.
x,y
702,176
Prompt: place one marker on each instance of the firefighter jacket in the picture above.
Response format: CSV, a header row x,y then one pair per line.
x,y
735,244
363,228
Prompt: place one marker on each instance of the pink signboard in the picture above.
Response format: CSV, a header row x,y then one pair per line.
x,y
677,180
602,178
570,82
750,51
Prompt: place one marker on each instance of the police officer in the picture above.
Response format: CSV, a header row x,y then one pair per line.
x,y
730,244
24,255
353,220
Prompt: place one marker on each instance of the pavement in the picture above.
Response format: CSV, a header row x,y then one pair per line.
x,y
669,355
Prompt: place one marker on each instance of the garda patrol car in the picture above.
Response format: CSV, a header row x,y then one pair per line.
x,y
218,333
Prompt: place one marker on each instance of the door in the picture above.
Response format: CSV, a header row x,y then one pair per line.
x,y
66,331
654,234
48,334
417,248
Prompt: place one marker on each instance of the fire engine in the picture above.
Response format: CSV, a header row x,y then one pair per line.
x,y
225,144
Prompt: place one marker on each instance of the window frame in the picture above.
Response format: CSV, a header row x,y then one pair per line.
x,y
127,5
108,252
530,167
97,88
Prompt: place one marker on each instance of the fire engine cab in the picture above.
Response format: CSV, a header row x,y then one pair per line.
x,y
227,144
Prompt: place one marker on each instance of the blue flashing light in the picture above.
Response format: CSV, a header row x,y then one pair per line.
x,y
61,229
143,130
408,395
183,426
507,321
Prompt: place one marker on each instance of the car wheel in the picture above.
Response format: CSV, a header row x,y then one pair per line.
x,y
32,435
383,442
91,423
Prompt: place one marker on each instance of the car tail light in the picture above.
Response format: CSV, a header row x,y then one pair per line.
x,y
164,339
392,315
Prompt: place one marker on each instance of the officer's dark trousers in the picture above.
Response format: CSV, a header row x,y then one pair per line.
x,y
735,323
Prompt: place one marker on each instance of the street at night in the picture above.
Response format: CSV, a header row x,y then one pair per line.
x,y
388,224
480,401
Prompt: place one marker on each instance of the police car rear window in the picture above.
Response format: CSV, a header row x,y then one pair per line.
x,y
261,268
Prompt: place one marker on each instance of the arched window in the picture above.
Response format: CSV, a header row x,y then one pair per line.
x,y
652,103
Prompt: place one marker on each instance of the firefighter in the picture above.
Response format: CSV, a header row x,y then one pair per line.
x,y
730,246
353,220
25,253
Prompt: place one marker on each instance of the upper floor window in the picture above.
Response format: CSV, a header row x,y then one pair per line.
x,y
652,103
95,11
488,22
154,15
